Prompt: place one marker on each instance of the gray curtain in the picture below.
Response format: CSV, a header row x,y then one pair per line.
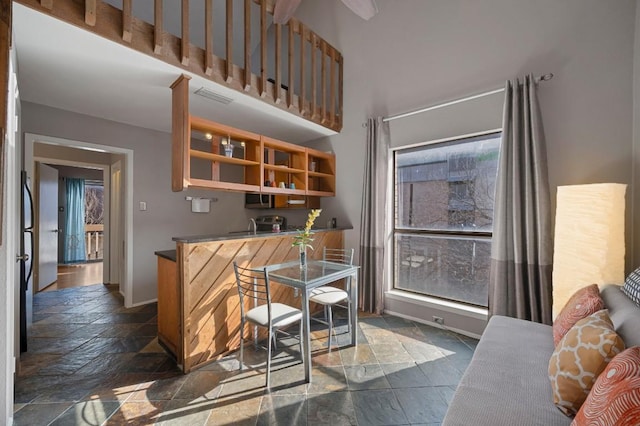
x,y
372,224
521,252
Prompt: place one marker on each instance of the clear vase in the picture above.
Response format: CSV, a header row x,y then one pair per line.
x,y
303,257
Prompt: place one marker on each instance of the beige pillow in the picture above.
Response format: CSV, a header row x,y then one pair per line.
x,y
582,354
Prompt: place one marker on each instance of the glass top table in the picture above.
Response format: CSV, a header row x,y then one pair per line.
x,y
316,274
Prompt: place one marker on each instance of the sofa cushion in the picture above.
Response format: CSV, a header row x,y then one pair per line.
x,y
582,354
624,314
581,304
632,286
506,382
615,397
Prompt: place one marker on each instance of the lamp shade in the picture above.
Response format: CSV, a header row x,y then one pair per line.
x,y
589,238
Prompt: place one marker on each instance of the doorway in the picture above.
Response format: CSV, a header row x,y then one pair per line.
x,y
39,148
80,225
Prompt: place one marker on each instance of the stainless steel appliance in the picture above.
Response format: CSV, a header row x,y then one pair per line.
x,y
259,201
26,254
265,223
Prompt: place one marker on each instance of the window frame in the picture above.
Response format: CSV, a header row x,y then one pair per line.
x,y
404,231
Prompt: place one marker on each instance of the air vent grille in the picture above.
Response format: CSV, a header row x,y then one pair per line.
x,y
206,93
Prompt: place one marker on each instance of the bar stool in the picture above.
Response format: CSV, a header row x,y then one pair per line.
x,y
329,296
254,284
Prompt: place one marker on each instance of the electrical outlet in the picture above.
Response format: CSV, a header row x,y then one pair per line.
x,y
438,320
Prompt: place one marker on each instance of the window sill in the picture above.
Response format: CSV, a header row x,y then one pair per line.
x,y
444,305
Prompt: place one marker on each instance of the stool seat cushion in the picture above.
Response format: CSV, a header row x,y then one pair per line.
x,y
327,295
281,315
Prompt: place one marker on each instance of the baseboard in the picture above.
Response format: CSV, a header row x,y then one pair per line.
x,y
145,302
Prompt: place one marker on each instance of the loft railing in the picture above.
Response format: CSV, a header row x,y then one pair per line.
x,y
288,65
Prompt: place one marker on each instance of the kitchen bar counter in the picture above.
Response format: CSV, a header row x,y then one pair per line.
x,y
248,234
167,254
198,304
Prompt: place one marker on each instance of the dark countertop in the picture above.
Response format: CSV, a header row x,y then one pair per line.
x,y
167,254
243,235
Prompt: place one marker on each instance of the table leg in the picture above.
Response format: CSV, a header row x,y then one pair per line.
x,y
353,290
306,335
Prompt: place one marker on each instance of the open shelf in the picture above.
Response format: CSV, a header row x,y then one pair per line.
x,y
210,155
222,158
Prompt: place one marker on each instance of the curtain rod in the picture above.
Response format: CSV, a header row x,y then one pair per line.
x,y
545,77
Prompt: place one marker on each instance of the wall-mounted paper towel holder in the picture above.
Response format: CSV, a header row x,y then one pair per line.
x,y
200,204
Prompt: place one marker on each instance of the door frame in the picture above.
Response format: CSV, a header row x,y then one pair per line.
x,y
115,227
126,286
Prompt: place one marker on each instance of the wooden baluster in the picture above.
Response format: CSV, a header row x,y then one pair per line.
x,y
247,45
157,27
184,44
90,12
332,88
157,31
278,84
314,91
263,48
48,4
290,63
303,77
323,83
127,21
208,37
229,47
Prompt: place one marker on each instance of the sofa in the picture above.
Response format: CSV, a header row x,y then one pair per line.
x,y
507,382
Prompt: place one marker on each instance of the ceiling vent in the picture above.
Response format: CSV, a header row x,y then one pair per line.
x,y
206,93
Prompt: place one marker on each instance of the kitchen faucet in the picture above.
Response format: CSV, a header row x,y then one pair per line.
x,y
252,221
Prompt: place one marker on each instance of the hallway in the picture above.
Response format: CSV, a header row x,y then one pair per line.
x,y
78,275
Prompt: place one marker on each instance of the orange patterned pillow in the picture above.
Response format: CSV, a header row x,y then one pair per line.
x,y
581,304
580,357
615,398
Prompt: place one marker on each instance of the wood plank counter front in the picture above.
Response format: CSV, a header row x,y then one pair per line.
x,y
207,322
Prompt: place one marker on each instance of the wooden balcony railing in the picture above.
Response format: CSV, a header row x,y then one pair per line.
x,y
288,66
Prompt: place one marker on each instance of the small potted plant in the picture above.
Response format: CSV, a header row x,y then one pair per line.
x,y
304,237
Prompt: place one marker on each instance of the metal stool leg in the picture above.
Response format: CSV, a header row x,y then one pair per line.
x,y
241,345
269,358
330,321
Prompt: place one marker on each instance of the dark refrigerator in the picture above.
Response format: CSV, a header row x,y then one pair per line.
x,y
26,254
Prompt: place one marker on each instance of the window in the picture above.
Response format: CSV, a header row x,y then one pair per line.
x,y
444,196
94,219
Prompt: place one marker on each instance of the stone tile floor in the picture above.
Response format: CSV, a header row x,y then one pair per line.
x,y
92,362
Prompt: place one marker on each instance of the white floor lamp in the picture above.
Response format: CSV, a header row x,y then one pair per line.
x,y
589,238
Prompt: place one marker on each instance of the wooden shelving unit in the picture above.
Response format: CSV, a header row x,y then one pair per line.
x,y
297,175
321,175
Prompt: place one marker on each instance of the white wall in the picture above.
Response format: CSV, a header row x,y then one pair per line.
x,y
10,191
168,214
416,53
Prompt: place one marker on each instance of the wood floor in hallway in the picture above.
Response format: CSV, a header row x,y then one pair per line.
x,y
70,276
